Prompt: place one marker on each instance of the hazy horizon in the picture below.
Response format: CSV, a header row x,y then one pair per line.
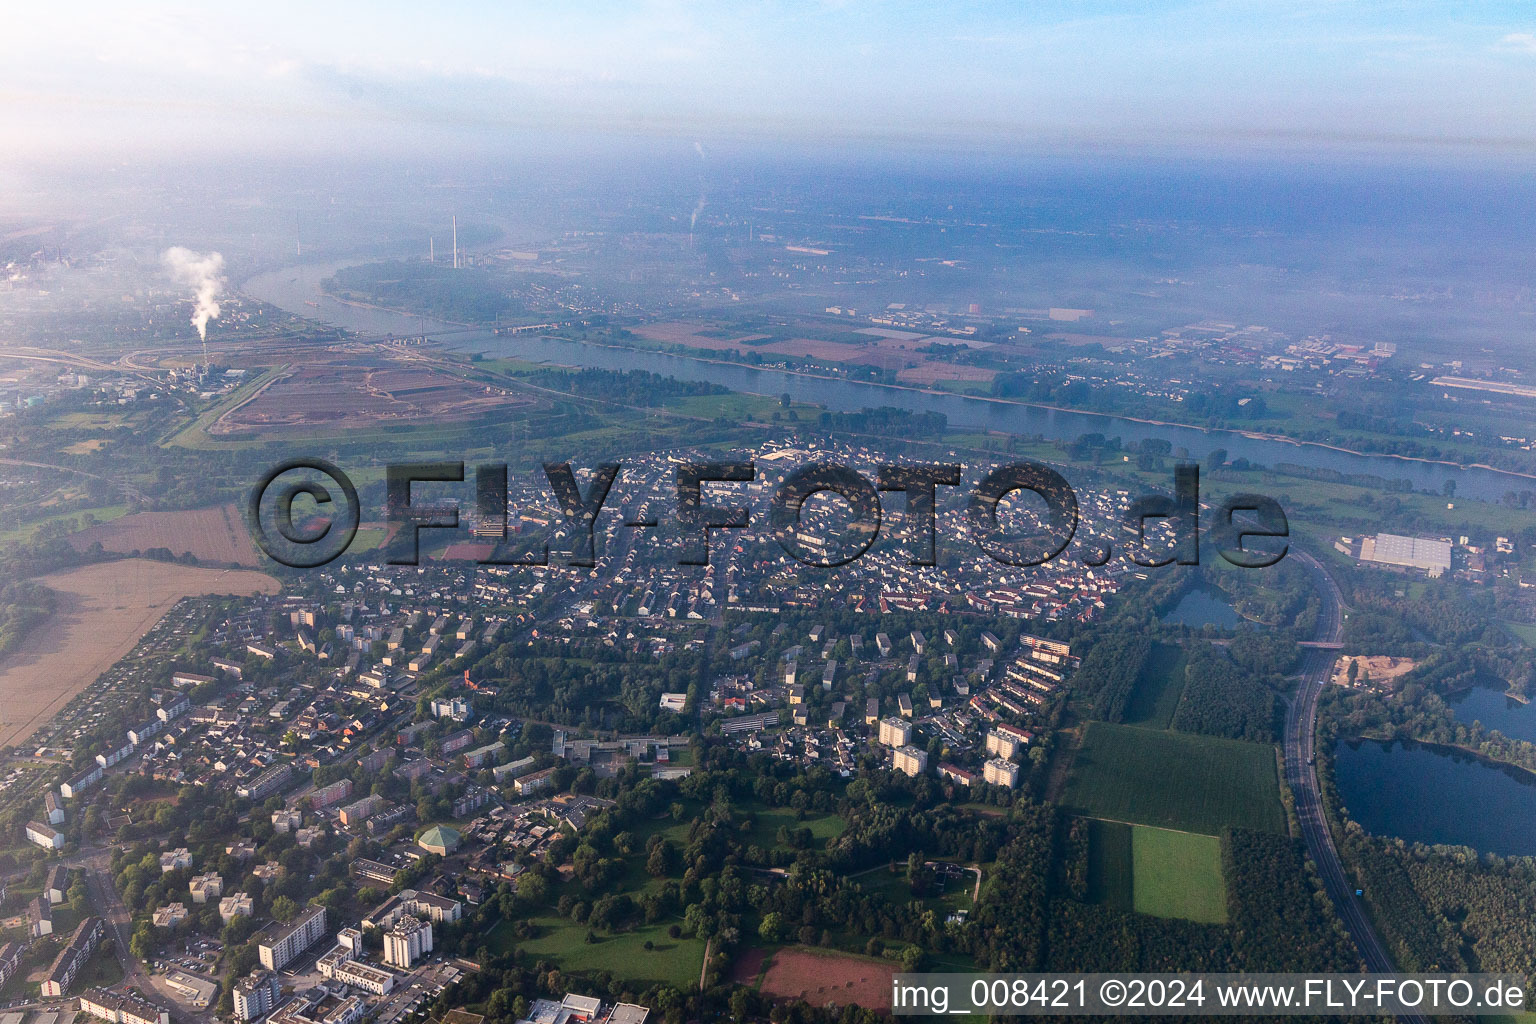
x,y
185,81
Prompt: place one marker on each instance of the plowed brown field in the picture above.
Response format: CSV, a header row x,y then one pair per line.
x,y
101,611
211,534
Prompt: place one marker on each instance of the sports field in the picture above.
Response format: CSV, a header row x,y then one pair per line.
x,y
1174,780
1156,871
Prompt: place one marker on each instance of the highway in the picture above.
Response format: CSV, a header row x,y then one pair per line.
x,y
1301,774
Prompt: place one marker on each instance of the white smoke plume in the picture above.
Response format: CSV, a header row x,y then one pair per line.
x,y
204,274
698,207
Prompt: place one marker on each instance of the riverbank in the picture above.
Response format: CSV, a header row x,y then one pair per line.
x,y
375,307
290,289
1528,774
1436,795
703,356
713,357
1518,698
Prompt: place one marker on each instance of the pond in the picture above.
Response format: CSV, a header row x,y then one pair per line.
x,y
1203,606
1487,704
1431,795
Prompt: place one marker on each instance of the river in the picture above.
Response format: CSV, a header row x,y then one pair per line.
x,y
297,290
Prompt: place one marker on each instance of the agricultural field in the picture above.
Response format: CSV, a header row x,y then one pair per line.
x,y
733,406
820,977
1156,871
101,611
1178,874
892,351
1158,688
216,535
928,374
368,538
60,523
1174,780
697,336
1111,864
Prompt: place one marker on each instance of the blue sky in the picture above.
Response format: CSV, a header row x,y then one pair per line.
x,y
269,77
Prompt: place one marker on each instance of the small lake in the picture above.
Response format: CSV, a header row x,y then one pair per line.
x,y
1203,607
1487,704
1429,795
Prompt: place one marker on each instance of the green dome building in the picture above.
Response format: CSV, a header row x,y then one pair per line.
x,y
439,839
